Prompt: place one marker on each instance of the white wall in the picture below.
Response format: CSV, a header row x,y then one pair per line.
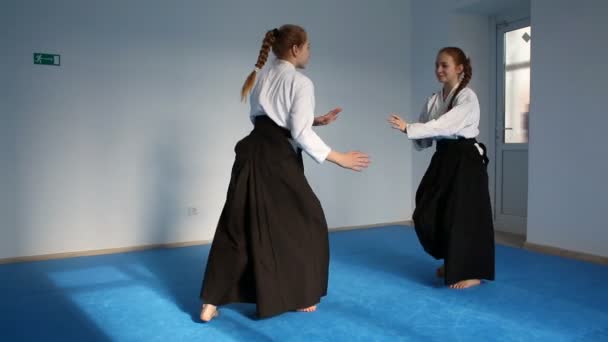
x,y
8,189
568,163
140,120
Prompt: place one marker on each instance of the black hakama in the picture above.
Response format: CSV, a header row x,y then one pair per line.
x,y
453,215
271,244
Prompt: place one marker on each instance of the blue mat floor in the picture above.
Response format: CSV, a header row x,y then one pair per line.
x,y
382,288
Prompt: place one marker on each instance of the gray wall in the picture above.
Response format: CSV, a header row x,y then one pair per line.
x,y
568,164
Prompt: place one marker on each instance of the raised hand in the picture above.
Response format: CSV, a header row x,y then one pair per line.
x,y
328,118
397,122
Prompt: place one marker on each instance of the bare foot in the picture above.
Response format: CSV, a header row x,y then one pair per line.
x,y
209,312
463,284
308,309
440,271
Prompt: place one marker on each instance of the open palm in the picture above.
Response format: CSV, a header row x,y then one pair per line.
x,y
328,118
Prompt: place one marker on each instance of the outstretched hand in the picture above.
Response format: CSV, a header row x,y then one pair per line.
x,y
397,122
354,160
328,118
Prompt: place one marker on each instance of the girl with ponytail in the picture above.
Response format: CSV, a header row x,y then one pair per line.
x,y
271,243
453,214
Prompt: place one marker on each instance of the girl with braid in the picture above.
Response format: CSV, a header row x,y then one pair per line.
x,y
271,244
453,214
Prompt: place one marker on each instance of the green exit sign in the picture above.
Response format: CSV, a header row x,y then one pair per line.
x,y
46,59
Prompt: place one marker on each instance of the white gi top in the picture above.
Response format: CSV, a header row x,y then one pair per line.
x,y
436,122
287,97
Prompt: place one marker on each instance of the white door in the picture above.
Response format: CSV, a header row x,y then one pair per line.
x,y
513,102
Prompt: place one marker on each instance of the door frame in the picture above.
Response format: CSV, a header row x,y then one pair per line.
x,y
503,222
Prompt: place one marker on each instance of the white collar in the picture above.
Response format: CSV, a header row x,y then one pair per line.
x,y
283,62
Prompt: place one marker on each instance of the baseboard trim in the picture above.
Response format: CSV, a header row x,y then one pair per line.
x,y
526,245
566,253
367,226
53,256
94,252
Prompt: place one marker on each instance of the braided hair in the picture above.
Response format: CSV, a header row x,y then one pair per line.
x,y
280,40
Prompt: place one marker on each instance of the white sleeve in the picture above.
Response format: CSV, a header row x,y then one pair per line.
x,y
302,117
450,123
421,144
